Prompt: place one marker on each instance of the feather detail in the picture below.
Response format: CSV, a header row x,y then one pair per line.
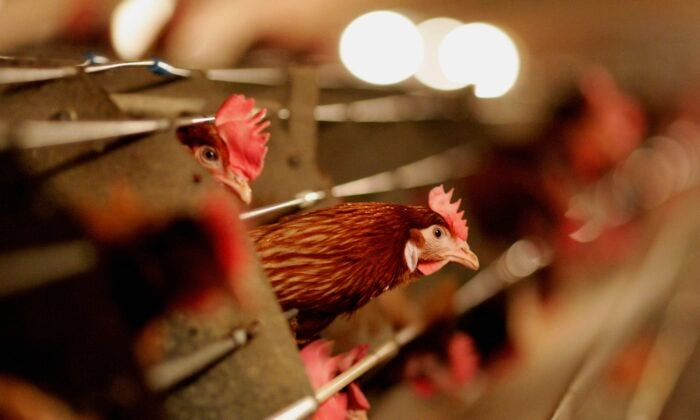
x,y
439,202
335,260
242,129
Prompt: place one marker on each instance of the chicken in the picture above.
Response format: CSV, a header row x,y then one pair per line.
x,y
20,400
428,372
334,260
233,148
321,368
182,258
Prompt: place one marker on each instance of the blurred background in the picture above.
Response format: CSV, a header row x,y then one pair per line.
x,y
569,129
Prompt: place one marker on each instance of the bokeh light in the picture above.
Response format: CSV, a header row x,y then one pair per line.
x,y
381,47
430,72
136,24
482,55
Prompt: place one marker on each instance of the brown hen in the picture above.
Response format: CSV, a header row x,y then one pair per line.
x,y
233,147
334,260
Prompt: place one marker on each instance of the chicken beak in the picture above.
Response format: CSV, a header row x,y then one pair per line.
x,y
465,256
240,186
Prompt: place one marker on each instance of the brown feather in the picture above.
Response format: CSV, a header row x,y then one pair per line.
x,y
335,260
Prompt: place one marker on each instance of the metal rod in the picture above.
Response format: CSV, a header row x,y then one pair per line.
x,y
384,352
454,163
519,261
257,76
675,343
299,409
390,108
31,134
98,68
157,66
98,64
25,269
302,200
167,374
31,74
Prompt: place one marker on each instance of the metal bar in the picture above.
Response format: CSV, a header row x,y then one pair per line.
x,y
194,120
676,342
384,352
519,261
98,68
389,108
257,76
34,134
36,74
454,163
25,269
300,409
166,375
30,74
262,76
302,200
31,134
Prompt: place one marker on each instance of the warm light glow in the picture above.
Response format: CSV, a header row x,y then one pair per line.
x,y
482,55
430,72
381,47
137,23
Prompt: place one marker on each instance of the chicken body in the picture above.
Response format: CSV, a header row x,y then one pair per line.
x,y
334,260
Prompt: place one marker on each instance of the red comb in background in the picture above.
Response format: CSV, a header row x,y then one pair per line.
x,y
242,128
439,202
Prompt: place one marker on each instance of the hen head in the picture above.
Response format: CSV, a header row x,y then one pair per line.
x,y
233,148
430,248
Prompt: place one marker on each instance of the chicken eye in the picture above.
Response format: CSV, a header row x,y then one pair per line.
x,y
210,154
437,232
209,158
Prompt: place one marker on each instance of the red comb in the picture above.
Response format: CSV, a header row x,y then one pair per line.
x,y
439,202
242,131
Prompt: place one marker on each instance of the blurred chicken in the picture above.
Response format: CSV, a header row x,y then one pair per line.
x,y
233,148
334,260
181,260
321,368
444,359
20,400
446,371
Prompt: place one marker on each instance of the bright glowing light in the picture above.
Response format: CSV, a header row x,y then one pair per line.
x,y
137,23
430,72
381,47
482,55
